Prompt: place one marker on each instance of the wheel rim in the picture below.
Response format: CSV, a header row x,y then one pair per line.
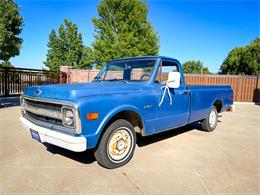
x,y
120,145
212,119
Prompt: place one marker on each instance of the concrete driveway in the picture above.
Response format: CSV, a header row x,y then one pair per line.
x,y
182,161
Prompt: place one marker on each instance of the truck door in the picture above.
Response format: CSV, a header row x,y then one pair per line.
x,y
175,113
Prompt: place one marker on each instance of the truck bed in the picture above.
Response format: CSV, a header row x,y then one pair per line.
x,y
202,97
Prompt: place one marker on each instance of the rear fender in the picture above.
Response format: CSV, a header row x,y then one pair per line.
x,y
218,99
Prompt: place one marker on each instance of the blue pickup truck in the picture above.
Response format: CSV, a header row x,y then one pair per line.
x,y
144,95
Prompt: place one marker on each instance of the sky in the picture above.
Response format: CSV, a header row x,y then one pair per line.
x,y
203,30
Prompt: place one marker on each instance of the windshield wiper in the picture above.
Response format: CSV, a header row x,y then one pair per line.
x,y
124,81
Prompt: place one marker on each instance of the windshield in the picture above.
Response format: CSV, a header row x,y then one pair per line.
x,y
128,70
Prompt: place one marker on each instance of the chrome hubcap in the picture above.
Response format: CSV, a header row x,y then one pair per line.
x,y
120,144
212,119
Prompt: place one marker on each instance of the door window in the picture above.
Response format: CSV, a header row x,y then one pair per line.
x,y
165,68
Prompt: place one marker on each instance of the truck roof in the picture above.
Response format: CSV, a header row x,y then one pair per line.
x,y
141,57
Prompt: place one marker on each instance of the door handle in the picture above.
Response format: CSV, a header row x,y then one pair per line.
x,y
186,91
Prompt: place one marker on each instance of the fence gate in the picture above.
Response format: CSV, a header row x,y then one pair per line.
x,y
13,81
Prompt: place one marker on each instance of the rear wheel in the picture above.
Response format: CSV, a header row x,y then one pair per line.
x,y
210,123
117,145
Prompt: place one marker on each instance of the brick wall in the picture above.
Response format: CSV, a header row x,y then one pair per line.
x,y
70,75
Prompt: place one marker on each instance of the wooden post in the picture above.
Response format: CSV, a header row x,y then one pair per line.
x,y
240,87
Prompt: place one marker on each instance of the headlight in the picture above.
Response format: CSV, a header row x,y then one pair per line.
x,y
68,117
21,101
22,105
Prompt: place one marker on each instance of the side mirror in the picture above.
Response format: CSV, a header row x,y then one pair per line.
x,y
174,80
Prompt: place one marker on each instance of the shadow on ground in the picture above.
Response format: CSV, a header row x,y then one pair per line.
x,y
9,102
88,157
143,141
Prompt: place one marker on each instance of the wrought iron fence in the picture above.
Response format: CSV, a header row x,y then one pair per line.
x,y
13,81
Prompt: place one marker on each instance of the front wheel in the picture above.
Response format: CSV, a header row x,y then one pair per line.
x,y
210,123
117,145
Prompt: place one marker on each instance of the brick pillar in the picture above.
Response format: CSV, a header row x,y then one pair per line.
x,y
64,74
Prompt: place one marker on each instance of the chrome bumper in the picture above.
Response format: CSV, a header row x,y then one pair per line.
x,y
73,143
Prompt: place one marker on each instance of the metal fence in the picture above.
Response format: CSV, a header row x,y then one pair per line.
x,y
13,81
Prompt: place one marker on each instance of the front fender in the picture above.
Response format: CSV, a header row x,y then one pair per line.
x,y
94,138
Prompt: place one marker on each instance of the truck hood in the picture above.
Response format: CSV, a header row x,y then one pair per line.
x,y
71,92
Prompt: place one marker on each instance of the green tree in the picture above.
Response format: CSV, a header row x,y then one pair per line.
x,y
87,59
123,30
11,23
65,47
6,63
243,60
194,67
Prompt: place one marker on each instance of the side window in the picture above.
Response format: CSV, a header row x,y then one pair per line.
x,y
166,67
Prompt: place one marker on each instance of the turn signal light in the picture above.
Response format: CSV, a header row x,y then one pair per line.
x,y
92,116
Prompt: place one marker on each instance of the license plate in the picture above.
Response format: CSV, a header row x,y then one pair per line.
x,y
35,135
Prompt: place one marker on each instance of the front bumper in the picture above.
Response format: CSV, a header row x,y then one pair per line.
x,y
76,144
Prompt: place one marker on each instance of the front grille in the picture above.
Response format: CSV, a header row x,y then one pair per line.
x,y
49,120
48,113
45,105
43,113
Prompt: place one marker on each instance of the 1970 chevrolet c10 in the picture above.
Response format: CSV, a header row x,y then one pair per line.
x,y
144,95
